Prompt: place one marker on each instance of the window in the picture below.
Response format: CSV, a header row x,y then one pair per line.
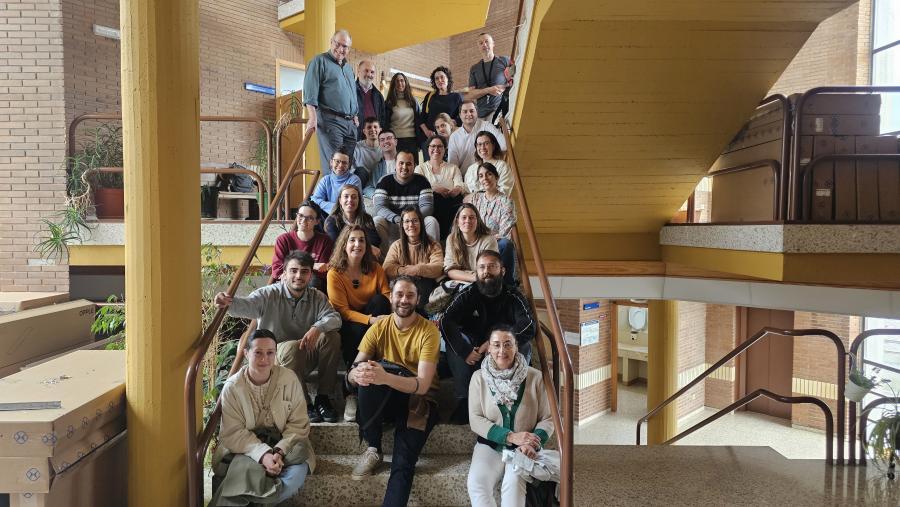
x,y
886,59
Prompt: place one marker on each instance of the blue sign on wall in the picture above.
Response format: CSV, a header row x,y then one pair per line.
x,y
268,90
591,306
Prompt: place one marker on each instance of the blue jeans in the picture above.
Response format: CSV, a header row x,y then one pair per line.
x,y
292,479
334,132
508,256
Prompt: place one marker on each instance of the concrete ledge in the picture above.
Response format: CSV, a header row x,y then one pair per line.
x,y
786,238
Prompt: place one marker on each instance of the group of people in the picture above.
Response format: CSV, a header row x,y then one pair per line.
x,y
426,280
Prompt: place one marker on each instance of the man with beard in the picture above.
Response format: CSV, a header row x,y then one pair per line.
x,y
403,341
471,315
304,324
399,190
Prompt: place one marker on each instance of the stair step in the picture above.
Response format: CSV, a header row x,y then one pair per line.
x,y
343,438
439,480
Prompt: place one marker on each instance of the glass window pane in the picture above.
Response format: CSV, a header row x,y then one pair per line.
x,y
887,22
886,71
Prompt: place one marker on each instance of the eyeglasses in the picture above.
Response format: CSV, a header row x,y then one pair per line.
x,y
435,147
340,162
504,345
306,218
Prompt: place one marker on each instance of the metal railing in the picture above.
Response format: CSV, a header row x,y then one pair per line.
x,y
765,393
70,133
864,416
203,170
807,180
795,202
562,420
840,350
854,421
198,443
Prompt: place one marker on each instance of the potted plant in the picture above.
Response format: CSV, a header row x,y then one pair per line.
x,y
68,227
103,149
858,384
884,439
110,323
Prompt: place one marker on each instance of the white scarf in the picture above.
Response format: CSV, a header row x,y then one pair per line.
x,y
504,384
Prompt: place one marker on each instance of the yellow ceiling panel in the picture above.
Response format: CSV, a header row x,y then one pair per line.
x,y
378,27
623,106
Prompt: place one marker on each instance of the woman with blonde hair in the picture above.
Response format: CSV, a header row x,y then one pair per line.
x,y
468,237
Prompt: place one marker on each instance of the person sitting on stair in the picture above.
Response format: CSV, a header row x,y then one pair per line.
x,y
264,454
304,324
395,372
469,318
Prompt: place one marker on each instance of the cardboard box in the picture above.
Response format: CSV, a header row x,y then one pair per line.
x,y
867,175
889,184
822,196
753,136
840,125
844,181
747,196
37,444
34,333
98,480
18,301
769,150
842,103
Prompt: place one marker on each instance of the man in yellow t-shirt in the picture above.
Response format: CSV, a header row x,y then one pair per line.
x,y
411,341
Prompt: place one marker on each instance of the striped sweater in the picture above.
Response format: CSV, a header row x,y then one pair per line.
x,y
391,197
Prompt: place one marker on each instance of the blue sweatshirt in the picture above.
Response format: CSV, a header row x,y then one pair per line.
x,y
329,187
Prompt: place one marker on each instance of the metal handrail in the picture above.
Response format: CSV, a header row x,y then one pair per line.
x,y
841,375
806,179
854,350
566,424
70,134
862,428
794,204
203,170
198,444
793,400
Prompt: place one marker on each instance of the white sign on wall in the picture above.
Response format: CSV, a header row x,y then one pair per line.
x,y
590,332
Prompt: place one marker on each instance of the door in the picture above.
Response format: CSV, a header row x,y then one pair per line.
x,y
770,363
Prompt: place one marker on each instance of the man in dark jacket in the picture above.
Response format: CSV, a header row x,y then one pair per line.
x,y
370,100
472,314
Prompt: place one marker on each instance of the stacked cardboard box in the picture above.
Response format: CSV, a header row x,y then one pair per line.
x,y
30,335
41,451
11,302
847,191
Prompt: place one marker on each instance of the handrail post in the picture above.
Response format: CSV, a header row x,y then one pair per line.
x,y
568,383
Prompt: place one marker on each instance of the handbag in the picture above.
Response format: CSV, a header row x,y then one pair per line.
x,y
440,297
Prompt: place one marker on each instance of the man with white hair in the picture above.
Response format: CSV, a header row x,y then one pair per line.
x,y
329,92
369,98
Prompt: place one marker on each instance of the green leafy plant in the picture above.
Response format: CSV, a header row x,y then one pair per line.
x,y
884,439
102,149
57,238
110,318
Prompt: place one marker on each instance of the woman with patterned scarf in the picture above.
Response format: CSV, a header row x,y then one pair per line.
x,y
508,409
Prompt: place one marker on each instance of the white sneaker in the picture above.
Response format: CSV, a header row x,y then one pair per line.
x,y
350,405
368,462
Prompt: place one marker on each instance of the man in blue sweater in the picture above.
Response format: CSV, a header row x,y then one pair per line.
x,y
399,190
329,188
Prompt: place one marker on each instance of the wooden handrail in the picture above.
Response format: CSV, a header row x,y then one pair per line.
x,y
197,445
851,432
793,400
840,349
566,418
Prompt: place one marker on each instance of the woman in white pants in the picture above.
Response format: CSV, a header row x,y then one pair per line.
x,y
508,409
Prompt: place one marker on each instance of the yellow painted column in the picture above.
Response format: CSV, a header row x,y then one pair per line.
x,y
160,118
662,369
319,22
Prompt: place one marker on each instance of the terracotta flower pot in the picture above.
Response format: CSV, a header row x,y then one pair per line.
x,y
110,203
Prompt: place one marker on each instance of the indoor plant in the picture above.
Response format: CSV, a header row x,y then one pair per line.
x,y
858,384
103,149
884,439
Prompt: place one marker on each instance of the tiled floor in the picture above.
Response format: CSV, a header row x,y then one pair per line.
x,y
737,429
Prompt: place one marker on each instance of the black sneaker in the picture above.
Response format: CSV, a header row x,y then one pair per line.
x,y
311,412
460,415
324,409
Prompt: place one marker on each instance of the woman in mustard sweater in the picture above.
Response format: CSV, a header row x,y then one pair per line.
x,y
359,291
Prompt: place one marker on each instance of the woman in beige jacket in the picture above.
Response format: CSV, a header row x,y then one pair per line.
x,y
415,255
264,450
508,409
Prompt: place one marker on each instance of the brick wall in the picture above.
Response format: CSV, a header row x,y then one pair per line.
x,y
691,344
832,54
464,51
592,394
815,359
721,338
32,146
